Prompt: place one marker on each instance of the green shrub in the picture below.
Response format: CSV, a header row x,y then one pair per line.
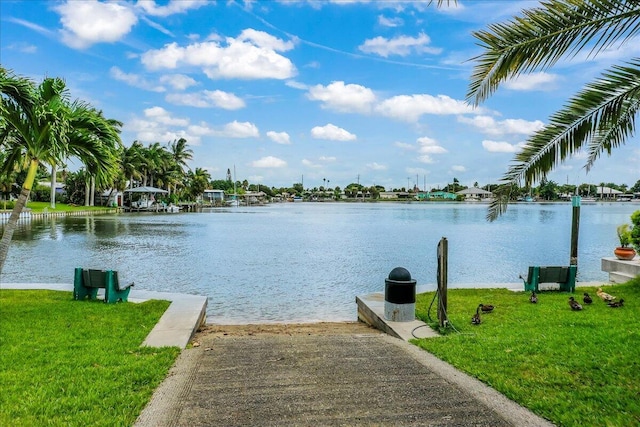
x,y
635,231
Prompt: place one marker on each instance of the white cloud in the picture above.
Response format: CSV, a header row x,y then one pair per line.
x,y
296,85
265,40
409,108
322,160
23,47
178,81
160,115
158,126
332,132
490,126
88,22
390,22
404,145
237,129
428,145
501,146
308,163
269,162
327,159
425,159
279,137
458,168
134,80
343,98
253,55
206,99
230,130
400,46
157,26
376,166
174,6
35,27
161,125
534,81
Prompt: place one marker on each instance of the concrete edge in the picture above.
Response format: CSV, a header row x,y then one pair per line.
x,y
371,311
164,408
176,327
509,410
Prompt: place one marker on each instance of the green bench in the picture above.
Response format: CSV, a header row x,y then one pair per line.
x,y
564,276
87,282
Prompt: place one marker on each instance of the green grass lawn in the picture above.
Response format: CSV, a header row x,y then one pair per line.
x,y
76,363
574,368
37,207
62,207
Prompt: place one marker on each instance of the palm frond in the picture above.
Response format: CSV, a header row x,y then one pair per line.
x,y
539,38
602,114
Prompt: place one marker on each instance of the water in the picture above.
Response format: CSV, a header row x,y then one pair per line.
x,y
299,262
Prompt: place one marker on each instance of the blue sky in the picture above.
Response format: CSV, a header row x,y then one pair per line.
x,y
342,91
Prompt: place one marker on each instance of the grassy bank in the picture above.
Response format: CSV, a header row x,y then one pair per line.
x,y
76,363
574,368
37,207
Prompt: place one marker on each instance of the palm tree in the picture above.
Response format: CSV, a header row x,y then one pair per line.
x,y
180,152
600,117
131,162
39,124
197,182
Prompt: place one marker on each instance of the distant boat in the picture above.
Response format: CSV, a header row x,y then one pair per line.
x,y
588,200
297,198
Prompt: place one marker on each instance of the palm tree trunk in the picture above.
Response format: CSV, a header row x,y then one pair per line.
x,y
12,224
86,193
53,186
92,200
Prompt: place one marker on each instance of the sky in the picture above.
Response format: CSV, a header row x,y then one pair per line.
x,y
326,93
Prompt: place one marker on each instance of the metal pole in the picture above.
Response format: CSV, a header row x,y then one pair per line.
x,y
575,226
443,254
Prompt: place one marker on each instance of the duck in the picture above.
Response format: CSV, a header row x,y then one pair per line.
x,y
616,304
587,298
475,320
575,305
486,308
605,296
533,298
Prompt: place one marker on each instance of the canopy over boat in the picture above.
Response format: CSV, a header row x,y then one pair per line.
x,y
145,190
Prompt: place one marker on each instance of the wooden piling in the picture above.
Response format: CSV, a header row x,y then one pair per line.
x,y
443,262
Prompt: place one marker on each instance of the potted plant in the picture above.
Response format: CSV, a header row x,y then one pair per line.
x,y
624,251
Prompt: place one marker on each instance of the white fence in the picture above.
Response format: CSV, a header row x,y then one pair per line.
x,y
28,215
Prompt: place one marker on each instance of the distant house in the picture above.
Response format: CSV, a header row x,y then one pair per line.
x,y
475,193
607,193
388,195
213,196
441,195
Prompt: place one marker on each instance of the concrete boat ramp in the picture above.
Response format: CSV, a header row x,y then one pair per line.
x,y
347,374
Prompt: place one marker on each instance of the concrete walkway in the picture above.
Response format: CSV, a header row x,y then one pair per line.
x,y
353,376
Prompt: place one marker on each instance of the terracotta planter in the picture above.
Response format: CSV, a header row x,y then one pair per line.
x,y
626,254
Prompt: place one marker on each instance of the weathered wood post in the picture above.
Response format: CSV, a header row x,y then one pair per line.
x,y
575,226
443,255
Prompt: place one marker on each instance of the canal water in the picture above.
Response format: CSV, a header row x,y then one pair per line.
x,y
307,262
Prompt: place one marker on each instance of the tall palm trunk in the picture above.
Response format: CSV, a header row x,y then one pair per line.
x,y
87,188
92,200
53,186
12,224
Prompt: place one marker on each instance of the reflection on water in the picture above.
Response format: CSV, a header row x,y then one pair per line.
x,y
308,261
